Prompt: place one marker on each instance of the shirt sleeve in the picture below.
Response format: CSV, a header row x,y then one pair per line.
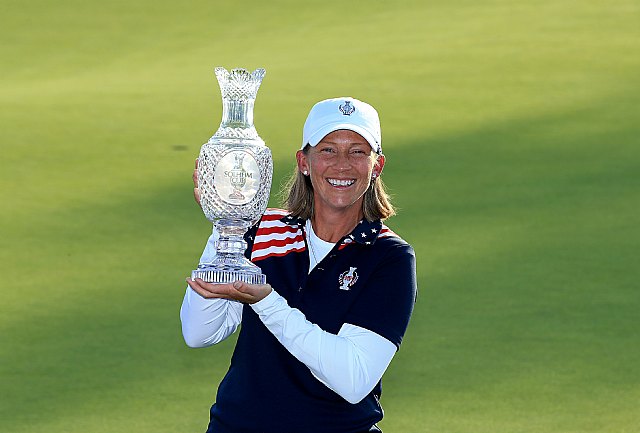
x,y
208,321
350,363
386,305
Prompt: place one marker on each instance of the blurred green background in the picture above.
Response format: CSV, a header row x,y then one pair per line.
x,y
511,131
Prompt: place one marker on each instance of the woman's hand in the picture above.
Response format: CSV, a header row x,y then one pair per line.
x,y
237,291
196,191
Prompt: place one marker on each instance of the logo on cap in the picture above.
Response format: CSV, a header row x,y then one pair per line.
x,y
347,109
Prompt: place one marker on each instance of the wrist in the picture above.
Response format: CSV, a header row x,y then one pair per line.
x,y
265,302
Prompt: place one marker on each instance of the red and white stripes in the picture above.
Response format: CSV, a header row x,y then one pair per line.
x,y
276,238
386,232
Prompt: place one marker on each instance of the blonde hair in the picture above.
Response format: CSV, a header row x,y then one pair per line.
x,y
297,195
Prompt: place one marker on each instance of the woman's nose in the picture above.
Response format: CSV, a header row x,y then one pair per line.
x,y
342,161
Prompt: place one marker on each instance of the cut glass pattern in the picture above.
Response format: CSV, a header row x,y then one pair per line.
x,y
235,169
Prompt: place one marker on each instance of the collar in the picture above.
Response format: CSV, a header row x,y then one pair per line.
x,y
364,233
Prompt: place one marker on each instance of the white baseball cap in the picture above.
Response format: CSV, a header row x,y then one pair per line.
x,y
342,113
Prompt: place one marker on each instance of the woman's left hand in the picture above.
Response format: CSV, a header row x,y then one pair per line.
x,y
237,291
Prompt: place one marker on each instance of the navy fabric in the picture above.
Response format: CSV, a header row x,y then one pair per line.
x,y
368,280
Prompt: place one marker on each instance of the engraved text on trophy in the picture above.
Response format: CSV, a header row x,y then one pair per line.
x,y
237,177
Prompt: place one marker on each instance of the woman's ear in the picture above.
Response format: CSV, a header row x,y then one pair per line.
x,y
378,165
303,163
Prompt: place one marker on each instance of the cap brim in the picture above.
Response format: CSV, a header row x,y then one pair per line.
x,y
317,136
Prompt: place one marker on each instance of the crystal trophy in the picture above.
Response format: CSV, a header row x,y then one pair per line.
x,y
235,168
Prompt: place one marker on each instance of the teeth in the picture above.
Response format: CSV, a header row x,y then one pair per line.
x,y
338,182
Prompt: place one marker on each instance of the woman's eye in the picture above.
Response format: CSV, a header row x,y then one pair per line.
x,y
326,150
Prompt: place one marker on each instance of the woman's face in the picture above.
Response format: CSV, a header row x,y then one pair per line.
x,y
340,167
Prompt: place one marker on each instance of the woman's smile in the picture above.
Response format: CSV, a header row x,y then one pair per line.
x,y
341,183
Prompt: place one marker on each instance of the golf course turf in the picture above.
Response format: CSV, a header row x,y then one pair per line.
x,y
511,131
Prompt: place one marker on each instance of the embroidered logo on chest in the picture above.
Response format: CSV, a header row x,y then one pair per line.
x,y
348,278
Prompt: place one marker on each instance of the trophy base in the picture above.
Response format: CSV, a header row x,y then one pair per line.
x,y
225,270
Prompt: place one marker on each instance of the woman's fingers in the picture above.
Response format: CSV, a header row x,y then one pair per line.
x,y
196,195
237,291
196,190
207,290
195,174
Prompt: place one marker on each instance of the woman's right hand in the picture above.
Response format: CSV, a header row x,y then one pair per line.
x,y
236,291
196,190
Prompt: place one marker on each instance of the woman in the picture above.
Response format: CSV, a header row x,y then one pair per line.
x,y
316,340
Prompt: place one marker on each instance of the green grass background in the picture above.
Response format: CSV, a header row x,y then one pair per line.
x,y
511,131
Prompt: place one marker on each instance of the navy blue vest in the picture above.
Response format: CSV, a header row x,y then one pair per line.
x,y
367,280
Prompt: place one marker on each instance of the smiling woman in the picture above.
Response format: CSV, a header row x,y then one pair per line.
x,y
341,291
332,137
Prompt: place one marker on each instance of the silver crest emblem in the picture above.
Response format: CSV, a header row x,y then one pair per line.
x,y
348,278
347,109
